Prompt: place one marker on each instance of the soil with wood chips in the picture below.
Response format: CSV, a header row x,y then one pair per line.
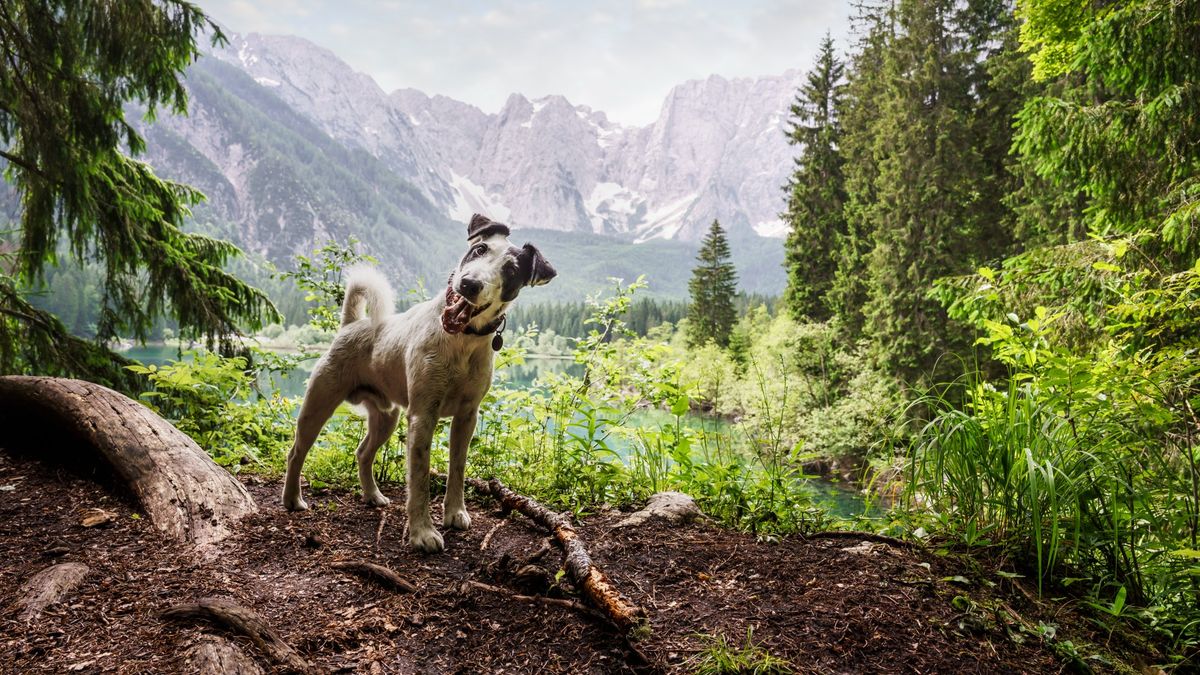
x,y
822,606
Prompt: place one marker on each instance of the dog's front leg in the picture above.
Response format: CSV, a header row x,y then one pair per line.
x,y
421,533
454,511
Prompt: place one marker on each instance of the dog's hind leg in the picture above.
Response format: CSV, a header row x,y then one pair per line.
x,y
421,533
319,404
380,426
454,511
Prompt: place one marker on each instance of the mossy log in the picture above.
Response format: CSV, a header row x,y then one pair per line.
x,y
593,582
181,489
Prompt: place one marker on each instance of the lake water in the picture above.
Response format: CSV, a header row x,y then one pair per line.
x,y
839,500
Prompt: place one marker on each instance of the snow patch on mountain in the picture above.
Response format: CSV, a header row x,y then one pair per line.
x,y
470,199
665,221
775,229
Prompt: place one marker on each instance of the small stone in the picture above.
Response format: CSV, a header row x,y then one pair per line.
x,y
675,508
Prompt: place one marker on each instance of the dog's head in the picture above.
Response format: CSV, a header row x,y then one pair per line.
x,y
492,273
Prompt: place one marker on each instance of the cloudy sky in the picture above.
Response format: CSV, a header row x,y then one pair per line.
x,y
619,56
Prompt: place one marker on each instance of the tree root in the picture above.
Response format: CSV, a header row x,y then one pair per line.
x,y
591,580
375,573
243,621
214,655
182,490
863,536
48,587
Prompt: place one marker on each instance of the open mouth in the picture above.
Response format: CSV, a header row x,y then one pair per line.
x,y
458,312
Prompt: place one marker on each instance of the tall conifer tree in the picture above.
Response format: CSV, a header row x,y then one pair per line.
x,y
72,69
859,118
938,196
816,194
713,285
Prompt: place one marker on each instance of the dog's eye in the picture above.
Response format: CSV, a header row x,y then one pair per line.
x,y
479,250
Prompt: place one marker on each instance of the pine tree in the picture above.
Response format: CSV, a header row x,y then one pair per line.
x,y
859,120
71,71
929,214
713,285
1119,129
816,193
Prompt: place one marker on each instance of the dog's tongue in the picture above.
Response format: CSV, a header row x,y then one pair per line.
x,y
457,314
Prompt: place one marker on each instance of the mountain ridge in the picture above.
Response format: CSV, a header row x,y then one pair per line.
x,y
717,149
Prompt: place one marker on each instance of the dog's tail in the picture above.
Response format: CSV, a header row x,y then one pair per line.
x,y
367,288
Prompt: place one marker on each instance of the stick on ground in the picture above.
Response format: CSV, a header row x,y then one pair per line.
x,y
863,536
594,583
376,573
243,621
487,538
540,599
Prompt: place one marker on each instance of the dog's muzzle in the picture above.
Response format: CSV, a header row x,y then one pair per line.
x,y
458,312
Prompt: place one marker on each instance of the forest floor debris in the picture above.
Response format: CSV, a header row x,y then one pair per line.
x,y
821,605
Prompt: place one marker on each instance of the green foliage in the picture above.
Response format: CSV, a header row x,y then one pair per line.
x,y
816,190
720,657
320,278
713,286
1122,127
71,71
1086,460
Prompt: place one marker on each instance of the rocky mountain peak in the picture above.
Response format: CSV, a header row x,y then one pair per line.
x,y
717,149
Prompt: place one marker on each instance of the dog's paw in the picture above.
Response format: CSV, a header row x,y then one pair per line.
x,y
459,520
376,499
294,503
426,540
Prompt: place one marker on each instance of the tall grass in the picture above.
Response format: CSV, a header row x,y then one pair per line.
x,y
1075,487
1006,468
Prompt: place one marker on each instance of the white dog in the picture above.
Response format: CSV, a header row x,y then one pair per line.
x,y
435,360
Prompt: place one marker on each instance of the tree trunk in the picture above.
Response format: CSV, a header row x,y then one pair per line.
x,y
182,490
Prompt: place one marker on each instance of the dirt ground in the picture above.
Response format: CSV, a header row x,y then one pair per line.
x,y
824,606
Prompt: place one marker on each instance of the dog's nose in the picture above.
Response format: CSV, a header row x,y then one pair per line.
x,y
469,288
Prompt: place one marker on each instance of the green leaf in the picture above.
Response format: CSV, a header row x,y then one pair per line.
x,y
680,405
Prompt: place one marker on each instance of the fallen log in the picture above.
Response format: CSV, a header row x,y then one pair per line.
x,y
596,586
214,655
376,573
242,621
48,587
181,489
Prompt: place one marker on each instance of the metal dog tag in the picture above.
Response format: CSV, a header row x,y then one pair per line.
x,y
497,342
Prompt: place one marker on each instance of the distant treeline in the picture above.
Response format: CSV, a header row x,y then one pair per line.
x,y
645,314
75,295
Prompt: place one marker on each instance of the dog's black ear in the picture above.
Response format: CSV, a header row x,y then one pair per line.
x,y
535,269
482,226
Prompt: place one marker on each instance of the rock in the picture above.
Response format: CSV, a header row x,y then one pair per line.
x,y
863,548
675,508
